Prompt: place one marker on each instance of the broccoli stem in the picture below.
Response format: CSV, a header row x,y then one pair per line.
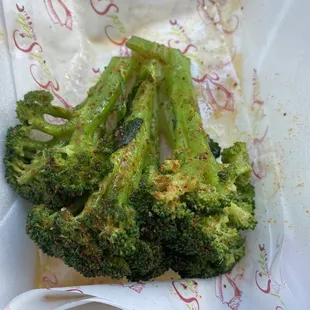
x,y
35,105
153,70
25,142
152,158
50,129
36,145
188,134
166,116
102,98
129,161
59,112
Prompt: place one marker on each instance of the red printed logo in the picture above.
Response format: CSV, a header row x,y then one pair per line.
x,y
210,13
227,290
20,41
76,289
185,50
25,41
177,43
137,287
187,291
50,280
255,100
49,85
115,32
108,31
258,143
103,9
256,150
96,70
268,278
59,13
216,93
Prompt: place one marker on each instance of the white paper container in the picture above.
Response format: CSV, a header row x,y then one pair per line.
x,y
271,116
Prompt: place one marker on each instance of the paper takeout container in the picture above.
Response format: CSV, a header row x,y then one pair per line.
x,y
251,71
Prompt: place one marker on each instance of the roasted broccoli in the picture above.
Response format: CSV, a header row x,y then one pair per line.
x,y
77,157
192,204
104,203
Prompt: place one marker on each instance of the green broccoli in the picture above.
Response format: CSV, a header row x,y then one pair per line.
x,y
101,236
76,158
191,203
104,203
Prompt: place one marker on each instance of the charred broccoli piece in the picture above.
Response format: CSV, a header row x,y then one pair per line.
x,y
76,158
192,204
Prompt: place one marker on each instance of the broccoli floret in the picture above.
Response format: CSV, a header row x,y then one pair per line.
x,y
239,217
237,160
190,204
205,200
206,264
24,156
77,157
20,155
31,111
102,237
245,198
